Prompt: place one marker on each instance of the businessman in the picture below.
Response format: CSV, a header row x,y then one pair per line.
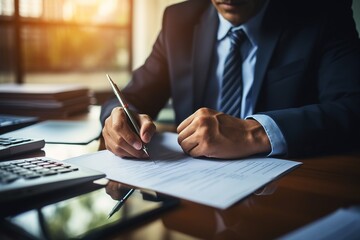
x,y
247,77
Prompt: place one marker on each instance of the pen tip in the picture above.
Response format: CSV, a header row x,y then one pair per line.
x,y
111,214
144,149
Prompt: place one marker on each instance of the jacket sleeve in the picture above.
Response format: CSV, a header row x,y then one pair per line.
x,y
149,89
333,122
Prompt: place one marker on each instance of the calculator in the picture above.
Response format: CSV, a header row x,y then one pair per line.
x,y
10,146
23,178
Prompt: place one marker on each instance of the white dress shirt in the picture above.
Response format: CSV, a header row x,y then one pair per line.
x,y
249,53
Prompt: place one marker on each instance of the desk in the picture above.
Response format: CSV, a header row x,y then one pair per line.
x,y
318,187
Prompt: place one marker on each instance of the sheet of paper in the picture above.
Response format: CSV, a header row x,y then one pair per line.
x,y
60,131
342,224
216,183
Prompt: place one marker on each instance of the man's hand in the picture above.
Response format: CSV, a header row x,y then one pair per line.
x,y
116,190
214,134
121,139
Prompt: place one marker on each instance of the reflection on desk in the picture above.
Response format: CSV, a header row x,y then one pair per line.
x,y
86,216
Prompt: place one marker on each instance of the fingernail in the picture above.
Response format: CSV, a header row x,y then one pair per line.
x,y
137,145
147,137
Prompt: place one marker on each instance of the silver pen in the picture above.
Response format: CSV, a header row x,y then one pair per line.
x,y
127,110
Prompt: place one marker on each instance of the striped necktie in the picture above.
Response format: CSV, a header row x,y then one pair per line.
x,y
231,89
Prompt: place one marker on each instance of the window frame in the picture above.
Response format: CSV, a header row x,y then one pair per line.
x,y
17,23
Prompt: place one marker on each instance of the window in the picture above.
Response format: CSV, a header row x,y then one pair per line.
x,y
58,41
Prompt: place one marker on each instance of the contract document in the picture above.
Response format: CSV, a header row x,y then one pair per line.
x,y
217,183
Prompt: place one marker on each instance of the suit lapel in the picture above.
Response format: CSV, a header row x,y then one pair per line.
x,y
270,33
203,52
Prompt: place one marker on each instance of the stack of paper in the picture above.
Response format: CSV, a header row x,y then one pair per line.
x,y
46,101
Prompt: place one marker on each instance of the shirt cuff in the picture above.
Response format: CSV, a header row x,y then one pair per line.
x,y
276,138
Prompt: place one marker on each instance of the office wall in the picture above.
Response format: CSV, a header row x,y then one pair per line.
x,y
146,26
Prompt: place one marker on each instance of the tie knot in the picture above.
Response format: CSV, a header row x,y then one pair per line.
x,y
236,37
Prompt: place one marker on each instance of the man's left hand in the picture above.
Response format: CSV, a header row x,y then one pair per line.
x,y
216,135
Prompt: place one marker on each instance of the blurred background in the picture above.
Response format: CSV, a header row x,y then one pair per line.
x,y
78,41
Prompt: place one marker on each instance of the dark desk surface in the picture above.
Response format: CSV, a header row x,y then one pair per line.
x,y
318,187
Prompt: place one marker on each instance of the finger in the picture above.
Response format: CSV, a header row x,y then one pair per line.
x,y
192,147
147,128
127,150
115,146
114,190
121,127
188,145
196,151
187,138
118,133
121,148
110,187
187,131
185,123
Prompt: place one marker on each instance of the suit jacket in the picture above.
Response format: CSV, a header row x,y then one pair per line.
x,y
308,70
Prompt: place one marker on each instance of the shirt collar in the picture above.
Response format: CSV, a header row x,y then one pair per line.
x,y
251,27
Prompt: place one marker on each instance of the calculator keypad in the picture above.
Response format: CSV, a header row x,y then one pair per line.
x,y
32,168
7,141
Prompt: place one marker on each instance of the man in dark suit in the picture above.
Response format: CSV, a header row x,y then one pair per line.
x,y
300,80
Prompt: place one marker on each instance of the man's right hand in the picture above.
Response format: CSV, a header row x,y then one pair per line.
x,y
121,139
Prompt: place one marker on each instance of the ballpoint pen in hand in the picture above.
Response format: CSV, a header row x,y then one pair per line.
x,y
126,109
121,202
